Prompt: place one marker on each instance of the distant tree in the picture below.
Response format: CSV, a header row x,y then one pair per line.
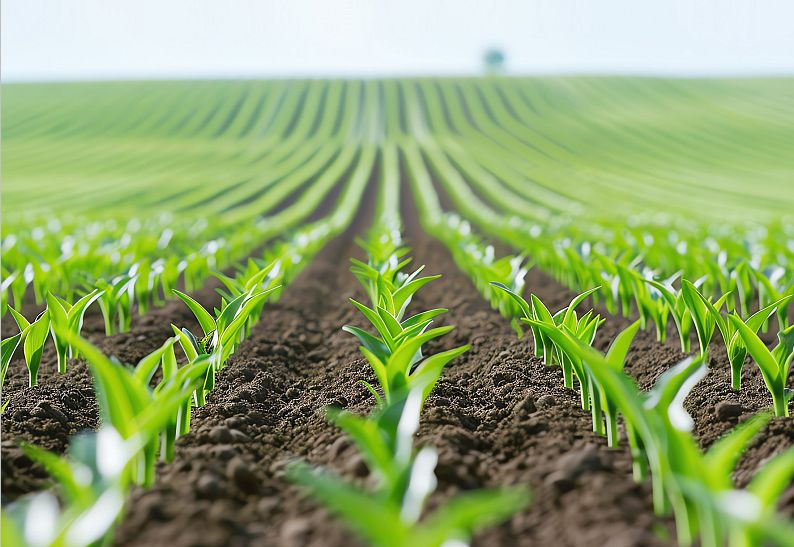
x,y
494,60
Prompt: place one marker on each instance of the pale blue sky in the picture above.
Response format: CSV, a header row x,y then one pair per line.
x,y
105,39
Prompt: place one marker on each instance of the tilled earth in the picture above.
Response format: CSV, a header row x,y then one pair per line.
x,y
497,417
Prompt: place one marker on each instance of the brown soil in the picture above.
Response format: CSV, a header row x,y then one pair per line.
x,y
497,417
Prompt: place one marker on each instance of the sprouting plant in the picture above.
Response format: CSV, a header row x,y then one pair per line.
x,y
395,352
677,307
734,343
116,302
583,328
771,288
33,337
125,395
774,364
252,278
389,516
766,488
701,316
221,333
92,483
66,317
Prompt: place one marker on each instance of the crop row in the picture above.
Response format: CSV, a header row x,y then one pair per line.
x,y
139,420
510,154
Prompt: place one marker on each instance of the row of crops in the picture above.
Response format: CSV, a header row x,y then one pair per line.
x,y
667,202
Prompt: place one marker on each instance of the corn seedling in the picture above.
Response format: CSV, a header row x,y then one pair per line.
x,y
92,485
390,515
125,394
774,364
771,289
702,317
66,317
734,342
677,307
115,302
33,337
222,333
584,328
395,352
253,278
696,485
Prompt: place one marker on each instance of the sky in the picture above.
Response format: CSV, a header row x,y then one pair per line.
x,y
113,39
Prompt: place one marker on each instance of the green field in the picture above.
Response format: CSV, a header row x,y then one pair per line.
x,y
669,202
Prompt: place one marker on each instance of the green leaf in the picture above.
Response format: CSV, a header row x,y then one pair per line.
x,y
22,323
378,523
373,344
9,346
147,366
429,371
377,322
59,469
379,368
188,342
522,304
202,316
368,440
34,344
467,513
422,317
761,355
578,300
722,457
773,478
404,294
619,348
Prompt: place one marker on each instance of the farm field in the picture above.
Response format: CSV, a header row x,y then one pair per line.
x,y
615,256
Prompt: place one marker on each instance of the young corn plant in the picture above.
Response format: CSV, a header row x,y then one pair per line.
x,y
734,342
93,480
33,336
66,317
252,278
584,328
222,333
772,288
395,351
774,364
125,396
91,483
116,301
389,516
704,321
696,485
677,307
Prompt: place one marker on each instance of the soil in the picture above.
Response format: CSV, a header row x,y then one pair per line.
x,y
497,417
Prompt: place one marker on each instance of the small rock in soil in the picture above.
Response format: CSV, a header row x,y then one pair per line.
x,y
526,405
221,434
295,530
576,462
560,481
546,401
242,476
727,410
239,436
43,409
208,487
